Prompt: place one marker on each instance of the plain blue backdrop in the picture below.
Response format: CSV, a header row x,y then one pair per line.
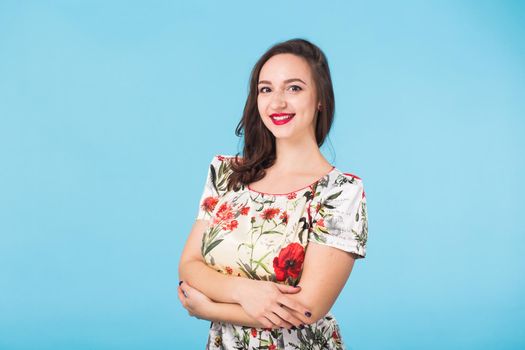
x,y
110,112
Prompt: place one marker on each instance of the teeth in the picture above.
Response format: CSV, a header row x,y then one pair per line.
x,y
282,118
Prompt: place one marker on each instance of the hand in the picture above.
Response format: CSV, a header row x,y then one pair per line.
x,y
193,300
268,303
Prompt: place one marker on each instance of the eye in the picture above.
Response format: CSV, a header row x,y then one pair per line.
x,y
296,86
261,89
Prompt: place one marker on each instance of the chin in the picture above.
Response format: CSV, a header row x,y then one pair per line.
x,y
283,135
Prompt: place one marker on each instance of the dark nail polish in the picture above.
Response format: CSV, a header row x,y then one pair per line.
x,y
308,314
180,282
301,326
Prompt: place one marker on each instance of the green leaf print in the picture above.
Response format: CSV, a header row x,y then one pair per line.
x,y
309,195
209,242
362,236
212,245
261,264
269,232
247,270
244,244
333,196
213,178
319,238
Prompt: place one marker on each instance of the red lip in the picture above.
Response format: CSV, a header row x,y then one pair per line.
x,y
283,121
280,114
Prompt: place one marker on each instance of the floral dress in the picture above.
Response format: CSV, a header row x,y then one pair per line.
x,y
264,236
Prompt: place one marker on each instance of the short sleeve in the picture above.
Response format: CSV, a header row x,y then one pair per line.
x,y
340,217
210,196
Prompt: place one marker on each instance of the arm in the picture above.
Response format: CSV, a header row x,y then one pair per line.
x,y
320,288
325,272
202,307
259,301
333,245
193,269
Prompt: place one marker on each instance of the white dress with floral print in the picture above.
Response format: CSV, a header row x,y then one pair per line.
x,y
264,236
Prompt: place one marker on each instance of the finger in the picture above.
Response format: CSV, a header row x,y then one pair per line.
x,y
266,322
300,316
184,292
287,316
181,297
283,288
187,287
277,321
296,306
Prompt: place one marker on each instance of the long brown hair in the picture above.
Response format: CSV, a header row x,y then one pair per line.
x,y
259,143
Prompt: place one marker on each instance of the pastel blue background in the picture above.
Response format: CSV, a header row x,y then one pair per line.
x,y
110,112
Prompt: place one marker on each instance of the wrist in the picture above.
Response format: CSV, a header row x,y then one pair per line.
x,y
210,310
239,289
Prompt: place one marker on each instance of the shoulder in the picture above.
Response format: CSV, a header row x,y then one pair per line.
x,y
223,160
342,185
221,164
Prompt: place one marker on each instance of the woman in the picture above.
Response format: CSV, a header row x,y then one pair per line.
x,y
278,230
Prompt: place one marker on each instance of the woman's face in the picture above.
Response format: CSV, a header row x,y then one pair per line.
x,y
286,98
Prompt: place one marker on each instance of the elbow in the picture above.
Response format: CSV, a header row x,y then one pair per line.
x,y
317,314
316,306
187,268
183,269
181,272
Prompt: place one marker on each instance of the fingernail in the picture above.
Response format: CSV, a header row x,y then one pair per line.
x,y
180,282
301,326
297,286
308,314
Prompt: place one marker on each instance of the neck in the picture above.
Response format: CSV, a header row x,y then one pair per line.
x,y
298,156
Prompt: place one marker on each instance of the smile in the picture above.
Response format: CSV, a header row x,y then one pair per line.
x,y
280,119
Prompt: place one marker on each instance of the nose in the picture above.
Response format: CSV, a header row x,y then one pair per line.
x,y
278,101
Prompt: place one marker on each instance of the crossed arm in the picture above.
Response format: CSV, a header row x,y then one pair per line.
x,y
242,301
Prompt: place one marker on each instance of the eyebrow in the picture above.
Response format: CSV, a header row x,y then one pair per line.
x,y
286,81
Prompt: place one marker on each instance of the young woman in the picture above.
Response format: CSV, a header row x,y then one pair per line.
x,y
278,230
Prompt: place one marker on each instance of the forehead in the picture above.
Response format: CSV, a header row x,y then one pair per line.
x,y
284,66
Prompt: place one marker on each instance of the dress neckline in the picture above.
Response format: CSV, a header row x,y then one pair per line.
x,y
298,190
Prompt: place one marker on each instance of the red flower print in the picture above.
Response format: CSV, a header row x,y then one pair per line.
x,y
318,207
363,195
245,210
284,217
230,226
292,195
272,347
221,158
289,262
209,203
335,335
269,213
320,222
352,175
254,332
229,270
225,212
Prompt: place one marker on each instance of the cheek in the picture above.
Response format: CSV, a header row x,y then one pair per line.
x,y
261,107
261,101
